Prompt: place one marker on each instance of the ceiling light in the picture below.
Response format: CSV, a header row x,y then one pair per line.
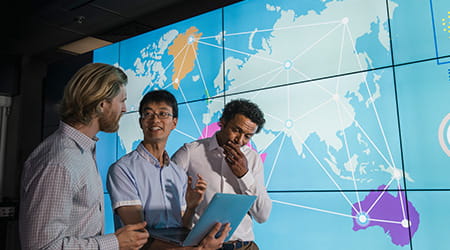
x,y
84,45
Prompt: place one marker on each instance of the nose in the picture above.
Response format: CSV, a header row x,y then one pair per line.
x,y
240,139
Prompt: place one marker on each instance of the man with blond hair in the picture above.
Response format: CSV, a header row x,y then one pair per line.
x,y
61,192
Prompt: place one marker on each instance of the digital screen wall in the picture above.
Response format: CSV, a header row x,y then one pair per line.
x,y
356,95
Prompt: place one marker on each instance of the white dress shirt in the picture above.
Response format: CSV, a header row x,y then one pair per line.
x,y
206,157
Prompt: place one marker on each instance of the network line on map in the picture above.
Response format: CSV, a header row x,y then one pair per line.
x,y
289,65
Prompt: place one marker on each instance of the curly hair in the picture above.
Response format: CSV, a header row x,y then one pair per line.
x,y
246,108
92,84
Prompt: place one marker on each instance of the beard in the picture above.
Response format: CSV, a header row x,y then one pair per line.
x,y
109,123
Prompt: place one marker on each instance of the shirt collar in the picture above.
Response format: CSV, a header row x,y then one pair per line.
x,y
84,142
152,159
213,144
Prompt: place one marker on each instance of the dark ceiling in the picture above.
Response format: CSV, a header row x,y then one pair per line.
x,y
39,27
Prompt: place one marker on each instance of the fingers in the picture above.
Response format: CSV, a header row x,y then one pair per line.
x,y
132,236
200,185
226,229
136,227
224,233
132,227
234,147
215,230
189,181
232,151
139,229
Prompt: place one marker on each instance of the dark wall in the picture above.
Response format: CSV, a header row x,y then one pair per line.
x,y
37,89
33,113
23,134
58,74
10,71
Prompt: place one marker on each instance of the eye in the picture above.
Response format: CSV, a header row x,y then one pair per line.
x,y
163,114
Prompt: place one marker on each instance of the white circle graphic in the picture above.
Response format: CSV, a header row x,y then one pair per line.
x,y
444,134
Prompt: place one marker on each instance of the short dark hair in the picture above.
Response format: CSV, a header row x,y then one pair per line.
x,y
158,96
246,108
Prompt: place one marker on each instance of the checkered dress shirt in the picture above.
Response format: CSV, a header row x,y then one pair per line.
x,y
62,203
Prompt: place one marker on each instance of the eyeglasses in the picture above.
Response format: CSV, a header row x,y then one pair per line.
x,y
151,115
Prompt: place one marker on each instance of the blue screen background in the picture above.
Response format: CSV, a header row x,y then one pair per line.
x,y
356,98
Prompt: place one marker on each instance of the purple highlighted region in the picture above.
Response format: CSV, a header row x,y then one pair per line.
x,y
389,212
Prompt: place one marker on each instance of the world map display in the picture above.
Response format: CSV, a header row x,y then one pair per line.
x,y
356,100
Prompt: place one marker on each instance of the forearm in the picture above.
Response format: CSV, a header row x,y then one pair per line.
x,y
130,214
187,218
102,242
39,231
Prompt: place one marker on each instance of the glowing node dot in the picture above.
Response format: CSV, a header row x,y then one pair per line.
x,y
176,80
345,20
287,64
191,39
362,218
406,223
289,124
397,174
336,97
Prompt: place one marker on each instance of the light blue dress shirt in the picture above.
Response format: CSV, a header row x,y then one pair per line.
x,y
138,179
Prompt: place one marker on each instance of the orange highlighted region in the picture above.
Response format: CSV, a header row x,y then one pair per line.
x,y
184,50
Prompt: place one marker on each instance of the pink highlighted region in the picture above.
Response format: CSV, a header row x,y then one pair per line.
x,y
211,129
388,212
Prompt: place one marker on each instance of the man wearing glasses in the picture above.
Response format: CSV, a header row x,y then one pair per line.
x,y
146,185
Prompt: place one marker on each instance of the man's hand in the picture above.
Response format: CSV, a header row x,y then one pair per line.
x,y
194,195
235,159
132,236
210,242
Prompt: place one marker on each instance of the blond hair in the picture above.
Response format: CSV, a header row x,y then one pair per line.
x,y
92,84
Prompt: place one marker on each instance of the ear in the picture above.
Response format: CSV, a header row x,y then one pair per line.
x,y
140,122
221,123
101,106
174,123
